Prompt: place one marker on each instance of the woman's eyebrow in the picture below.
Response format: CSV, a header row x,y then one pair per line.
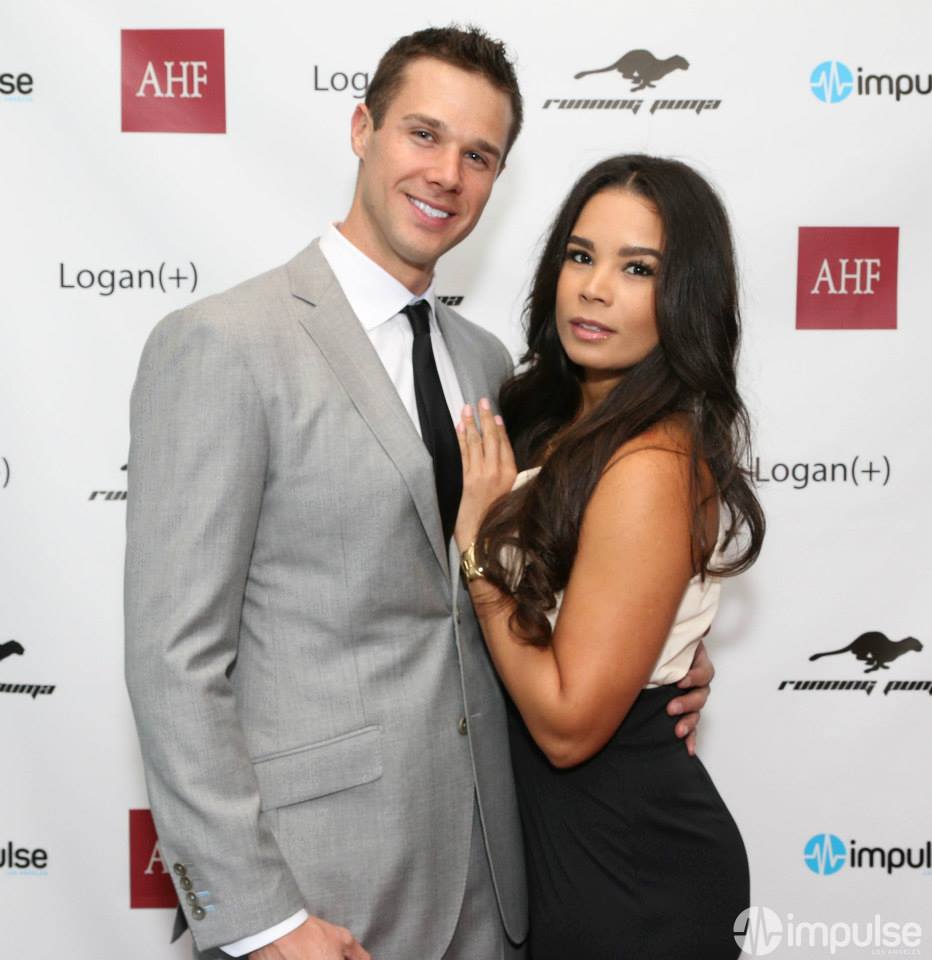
x,y
639,252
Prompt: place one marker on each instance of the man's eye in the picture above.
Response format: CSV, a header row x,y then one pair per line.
x,y
424,134
477,158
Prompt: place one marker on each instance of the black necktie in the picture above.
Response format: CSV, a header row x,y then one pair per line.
x,y
436,426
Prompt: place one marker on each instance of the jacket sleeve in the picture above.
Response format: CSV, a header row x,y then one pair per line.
x,y
197,465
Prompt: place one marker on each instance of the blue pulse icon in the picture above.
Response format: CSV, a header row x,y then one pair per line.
x,y
831,81
825,854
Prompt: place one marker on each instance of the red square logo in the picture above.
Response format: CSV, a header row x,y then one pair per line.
x,y
150,883
173,81
846,278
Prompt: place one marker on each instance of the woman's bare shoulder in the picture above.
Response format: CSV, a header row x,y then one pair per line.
x,y
671,436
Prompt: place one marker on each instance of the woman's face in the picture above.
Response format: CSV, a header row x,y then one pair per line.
x,y
606,318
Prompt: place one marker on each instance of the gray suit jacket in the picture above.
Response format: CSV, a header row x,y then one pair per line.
x,y
299,649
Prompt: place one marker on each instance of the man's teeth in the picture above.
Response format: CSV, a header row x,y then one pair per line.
x,y
429,210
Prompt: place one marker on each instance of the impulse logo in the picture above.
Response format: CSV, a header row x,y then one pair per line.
x,y
24,861
825,854
173,81
16,86
832,81
846,278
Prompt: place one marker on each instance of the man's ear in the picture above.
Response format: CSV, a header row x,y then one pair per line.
x,y
361,127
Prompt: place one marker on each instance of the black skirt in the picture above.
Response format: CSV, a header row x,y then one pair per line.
x,y
632,853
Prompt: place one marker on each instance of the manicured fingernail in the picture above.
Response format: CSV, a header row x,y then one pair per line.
x,y
460,427
675,710
467,410
499,420
484,403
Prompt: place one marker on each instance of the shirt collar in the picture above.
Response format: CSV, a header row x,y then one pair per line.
x,y
373,293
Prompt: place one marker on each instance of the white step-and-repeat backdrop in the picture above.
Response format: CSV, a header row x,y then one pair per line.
x,y
812,118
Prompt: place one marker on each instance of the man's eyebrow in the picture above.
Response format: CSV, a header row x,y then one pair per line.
x,y
427,121
441,127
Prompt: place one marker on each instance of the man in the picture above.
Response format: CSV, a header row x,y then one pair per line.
x,y
322,731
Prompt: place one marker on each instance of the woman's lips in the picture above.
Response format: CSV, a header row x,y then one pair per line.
x,y
589,330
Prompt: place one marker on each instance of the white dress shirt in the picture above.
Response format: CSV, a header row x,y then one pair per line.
x,y
377,299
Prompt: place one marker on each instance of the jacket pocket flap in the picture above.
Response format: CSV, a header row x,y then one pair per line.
x,y
316,769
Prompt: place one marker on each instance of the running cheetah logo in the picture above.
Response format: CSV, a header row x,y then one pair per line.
x,y
9,648
875,649
642,67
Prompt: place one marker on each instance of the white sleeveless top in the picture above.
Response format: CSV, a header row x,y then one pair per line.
x,y
694,616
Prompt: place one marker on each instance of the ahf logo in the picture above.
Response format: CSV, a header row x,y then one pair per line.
x,y
846,278
150,884
173,81
642,68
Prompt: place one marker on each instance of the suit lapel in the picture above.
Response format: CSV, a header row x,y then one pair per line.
x,y
332,325
469,371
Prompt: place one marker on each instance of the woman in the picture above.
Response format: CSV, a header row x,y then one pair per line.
x,y
596,576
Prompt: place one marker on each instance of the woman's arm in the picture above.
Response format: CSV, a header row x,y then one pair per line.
x,y
631,568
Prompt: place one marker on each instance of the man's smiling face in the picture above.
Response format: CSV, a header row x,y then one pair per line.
x,y
426,173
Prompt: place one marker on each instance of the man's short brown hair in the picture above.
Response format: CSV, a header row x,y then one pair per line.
x,y
468,48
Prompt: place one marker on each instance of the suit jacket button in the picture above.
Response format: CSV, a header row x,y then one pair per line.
x,y
191,896
462,726
179,868
186,883
198,913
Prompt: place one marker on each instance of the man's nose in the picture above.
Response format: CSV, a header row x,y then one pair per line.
x,y
447,169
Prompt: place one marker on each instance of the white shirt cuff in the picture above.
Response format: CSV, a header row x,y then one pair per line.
x,y
257,940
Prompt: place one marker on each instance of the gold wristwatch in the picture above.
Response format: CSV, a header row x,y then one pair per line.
x,y
471,569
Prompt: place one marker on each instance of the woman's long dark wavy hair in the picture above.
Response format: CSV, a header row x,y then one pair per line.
x,y
689,375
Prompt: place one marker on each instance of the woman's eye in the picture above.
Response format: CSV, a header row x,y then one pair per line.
x,y
639,269
578,256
